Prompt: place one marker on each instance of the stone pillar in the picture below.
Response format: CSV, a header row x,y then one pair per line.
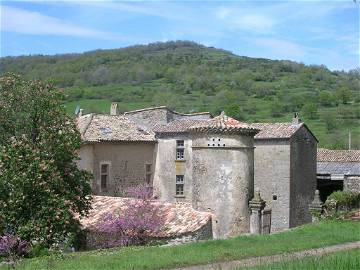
x,y
256,206
316,207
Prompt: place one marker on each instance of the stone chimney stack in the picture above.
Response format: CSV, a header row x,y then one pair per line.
x,y
114,109
296,120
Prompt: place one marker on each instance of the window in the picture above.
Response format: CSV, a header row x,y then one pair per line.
x,y
180,149
179,153
148,172
179,143
104,175
179,185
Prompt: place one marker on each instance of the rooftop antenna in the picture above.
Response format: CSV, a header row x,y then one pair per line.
x,y
77,109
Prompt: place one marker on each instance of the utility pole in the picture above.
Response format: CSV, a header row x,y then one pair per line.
x,y
349,139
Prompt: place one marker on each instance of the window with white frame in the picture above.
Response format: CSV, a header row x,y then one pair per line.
x,y
180,149
104,175
148,172
179,185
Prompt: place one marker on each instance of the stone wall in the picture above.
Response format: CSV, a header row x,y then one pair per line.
x,y
272,177
167,167
155,116
86,155
223,180
149,118
303,176
352,183
127,165
204,233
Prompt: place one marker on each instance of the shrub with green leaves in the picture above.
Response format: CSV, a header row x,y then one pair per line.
x,y
41,188
342,200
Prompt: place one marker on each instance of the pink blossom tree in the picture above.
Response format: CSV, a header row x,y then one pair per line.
x,y
137,223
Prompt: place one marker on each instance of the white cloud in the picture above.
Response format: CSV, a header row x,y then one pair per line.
x,y
243,19
279,48
29,22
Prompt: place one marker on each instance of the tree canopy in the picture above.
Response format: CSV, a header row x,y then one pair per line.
x,y
41,188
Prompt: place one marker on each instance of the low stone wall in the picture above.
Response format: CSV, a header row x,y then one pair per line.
x,y
352,183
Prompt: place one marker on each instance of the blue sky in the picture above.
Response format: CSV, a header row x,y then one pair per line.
x,y
313,32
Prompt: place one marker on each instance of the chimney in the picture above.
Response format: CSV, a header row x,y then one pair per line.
x,y
296,120
114,109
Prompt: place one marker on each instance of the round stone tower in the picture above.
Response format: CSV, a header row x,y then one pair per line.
x,y
223,172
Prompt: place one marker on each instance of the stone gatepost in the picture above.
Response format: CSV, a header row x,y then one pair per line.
x,y
256,206
316,207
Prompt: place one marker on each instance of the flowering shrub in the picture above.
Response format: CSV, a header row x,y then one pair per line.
x,y
137,223
12,247
41,188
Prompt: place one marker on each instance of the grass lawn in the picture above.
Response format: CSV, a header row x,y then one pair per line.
x,y
305,237
344,260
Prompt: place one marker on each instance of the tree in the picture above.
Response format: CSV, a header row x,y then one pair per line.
x,y
343,94
325,98
41,188
309,110
137,223
276,109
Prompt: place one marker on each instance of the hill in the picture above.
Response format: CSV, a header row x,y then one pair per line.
x,y
190,77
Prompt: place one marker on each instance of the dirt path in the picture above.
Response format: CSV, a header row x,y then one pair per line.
x,y
254,261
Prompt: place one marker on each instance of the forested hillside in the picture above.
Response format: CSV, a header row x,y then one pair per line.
x,y
190,77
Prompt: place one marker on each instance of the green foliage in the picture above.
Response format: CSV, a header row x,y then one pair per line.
x,y
190,77
342,200
41,188
309,110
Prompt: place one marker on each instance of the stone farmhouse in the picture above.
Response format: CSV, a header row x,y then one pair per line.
x,y
337,170
212,163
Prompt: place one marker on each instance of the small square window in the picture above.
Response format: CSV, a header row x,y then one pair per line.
x,y
179,185
179,143
104,168
179,153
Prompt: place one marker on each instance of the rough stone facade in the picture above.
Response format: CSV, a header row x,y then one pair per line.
x,y
272,177
223,180
218,168
167,167
127,165
285,172
352,184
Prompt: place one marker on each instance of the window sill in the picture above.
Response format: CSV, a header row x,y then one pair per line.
x,y
180,196
180,160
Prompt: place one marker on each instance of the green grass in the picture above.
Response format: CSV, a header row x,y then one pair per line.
x,y
344,260
305,237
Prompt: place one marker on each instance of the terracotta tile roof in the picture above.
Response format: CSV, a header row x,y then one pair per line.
x,y
177,126
223,123
275,130
338,155
101,127
180,218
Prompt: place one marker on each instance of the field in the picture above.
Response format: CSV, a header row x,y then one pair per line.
x,y
345,260
305,237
